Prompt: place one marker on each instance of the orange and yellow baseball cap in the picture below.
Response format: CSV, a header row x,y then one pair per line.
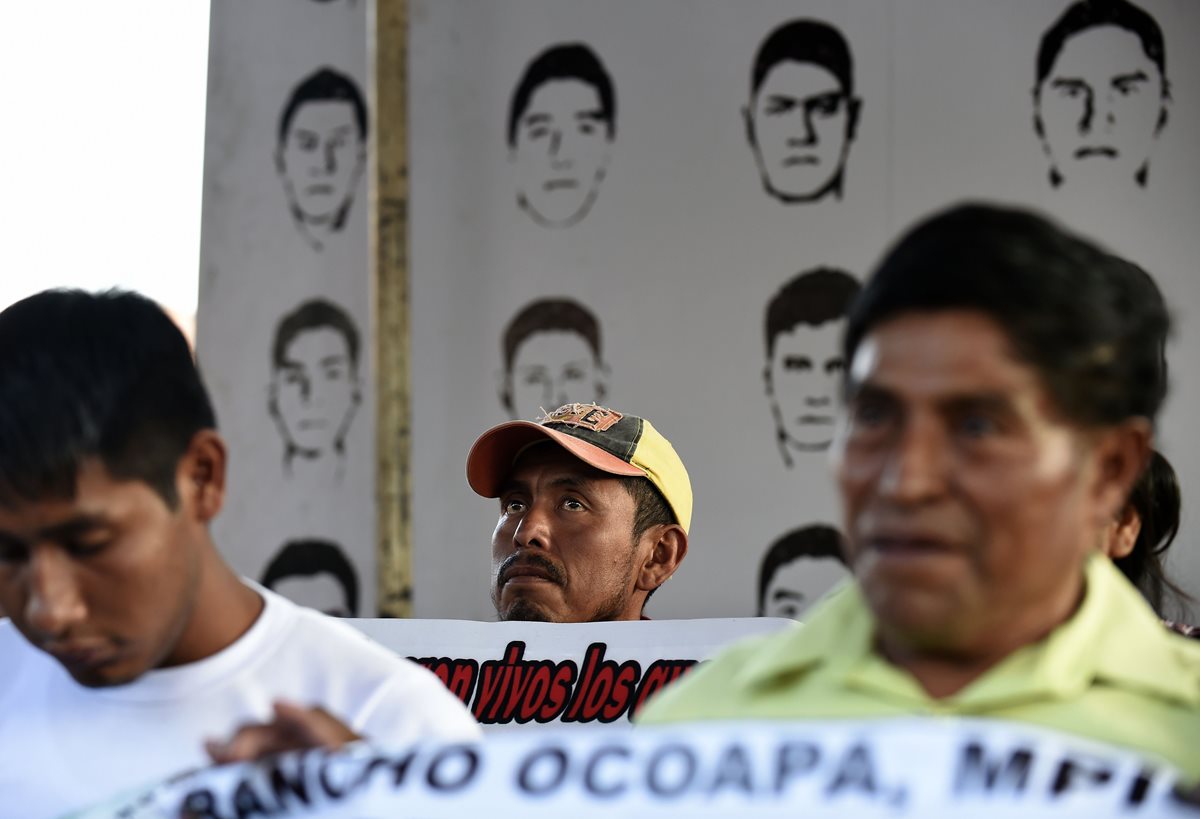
x,y
603,438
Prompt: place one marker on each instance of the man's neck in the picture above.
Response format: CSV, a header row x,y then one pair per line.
x,y
223,610
945,667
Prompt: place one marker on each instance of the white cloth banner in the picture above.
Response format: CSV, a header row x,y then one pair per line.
x,y
526,674
926,768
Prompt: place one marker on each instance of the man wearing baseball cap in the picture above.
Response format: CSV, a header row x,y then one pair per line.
x,y
594,512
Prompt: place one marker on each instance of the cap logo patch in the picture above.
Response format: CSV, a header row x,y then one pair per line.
x,y
589,416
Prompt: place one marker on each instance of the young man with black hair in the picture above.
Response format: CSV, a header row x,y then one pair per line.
x,y
798,568
803,328
552,353
594,512
130,639
321,152
314,392
1101,92
314,573
1003,383
803,114
561,123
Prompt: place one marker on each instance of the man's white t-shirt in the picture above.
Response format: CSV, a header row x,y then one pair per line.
x,y
64,747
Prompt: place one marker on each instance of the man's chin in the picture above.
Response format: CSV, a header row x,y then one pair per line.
x,y
104,677
525,611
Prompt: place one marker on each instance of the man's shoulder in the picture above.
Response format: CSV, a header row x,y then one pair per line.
x,y
718,687
331,645
15,654
375,691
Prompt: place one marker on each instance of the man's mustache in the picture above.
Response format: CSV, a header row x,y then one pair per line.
x,y
530,560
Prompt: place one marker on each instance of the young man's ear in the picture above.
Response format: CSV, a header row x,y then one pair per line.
x,y
1122,452
666,553
201,475
853,110
748,120
504,391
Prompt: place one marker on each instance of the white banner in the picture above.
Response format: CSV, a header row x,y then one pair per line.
x,y
517,674
926,768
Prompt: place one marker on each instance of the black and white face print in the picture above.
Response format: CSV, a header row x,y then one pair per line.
x,y
1101,95
798,568
552,355
561,125
803,329
315,573
802,115
315,390
320,153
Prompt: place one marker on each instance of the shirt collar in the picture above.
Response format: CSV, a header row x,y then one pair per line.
x,y
1114,637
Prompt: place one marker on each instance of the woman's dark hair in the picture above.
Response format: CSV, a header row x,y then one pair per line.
x,y
1156,500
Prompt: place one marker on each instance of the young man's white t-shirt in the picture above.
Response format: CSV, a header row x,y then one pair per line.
x,y
64,747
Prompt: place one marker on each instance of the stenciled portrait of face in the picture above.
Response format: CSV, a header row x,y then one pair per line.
x,y
321,152
802,115
798,569
562,120
552,356
314,390
1101,95
314,573
804,325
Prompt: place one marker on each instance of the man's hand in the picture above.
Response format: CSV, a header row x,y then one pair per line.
x,y
293,728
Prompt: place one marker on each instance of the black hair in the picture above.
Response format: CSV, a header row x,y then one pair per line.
x,y
566,61
813,297
805,41
1087,14
650,506
324,85
1157,501
85,375
650,509
312,315
815,541
547,315
308,558
1093,325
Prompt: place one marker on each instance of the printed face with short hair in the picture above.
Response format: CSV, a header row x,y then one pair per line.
x,y
804,375
796,585
970,502
801,122
321,591
563,550
314,393
551,368
1101,106
561,152
104,582
321,159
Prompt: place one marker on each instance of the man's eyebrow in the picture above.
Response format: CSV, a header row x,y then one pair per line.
x,y
509,485
993,402
867,389
786,594
334,358
1134,76
580,482
595,115
78,525
1071,82
535,119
